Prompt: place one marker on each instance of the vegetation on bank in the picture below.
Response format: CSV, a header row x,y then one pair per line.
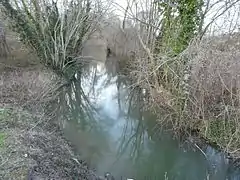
x,y
190,75
56,32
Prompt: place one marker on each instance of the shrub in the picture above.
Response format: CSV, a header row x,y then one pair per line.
x,y
55,31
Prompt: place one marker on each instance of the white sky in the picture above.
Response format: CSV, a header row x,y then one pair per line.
x,y
223,24
228,22
119,10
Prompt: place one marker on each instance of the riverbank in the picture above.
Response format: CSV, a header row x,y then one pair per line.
x,y
32,144
33,147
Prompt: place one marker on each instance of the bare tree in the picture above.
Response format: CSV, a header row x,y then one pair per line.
x,y
219,15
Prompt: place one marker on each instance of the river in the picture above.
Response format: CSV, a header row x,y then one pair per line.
x,y
126,141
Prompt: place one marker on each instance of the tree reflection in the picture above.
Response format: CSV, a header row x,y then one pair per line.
x,y
151,152
74,102
146,150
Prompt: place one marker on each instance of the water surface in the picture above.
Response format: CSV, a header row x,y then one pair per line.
x,y
115,137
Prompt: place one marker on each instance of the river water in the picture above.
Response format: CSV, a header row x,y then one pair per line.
x,y
113,137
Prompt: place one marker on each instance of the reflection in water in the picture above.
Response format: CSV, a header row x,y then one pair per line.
x,y
107,126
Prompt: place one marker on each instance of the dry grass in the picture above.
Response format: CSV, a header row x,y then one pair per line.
x,y
19,56
33,149
23,80
21,86
215,73
214,91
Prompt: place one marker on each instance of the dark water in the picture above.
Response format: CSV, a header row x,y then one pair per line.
x,y
126,141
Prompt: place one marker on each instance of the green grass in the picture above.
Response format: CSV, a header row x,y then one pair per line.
x,y
4,115
2,139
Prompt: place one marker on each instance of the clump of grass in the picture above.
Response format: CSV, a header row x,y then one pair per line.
x,y
2,139
4,114
56,32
